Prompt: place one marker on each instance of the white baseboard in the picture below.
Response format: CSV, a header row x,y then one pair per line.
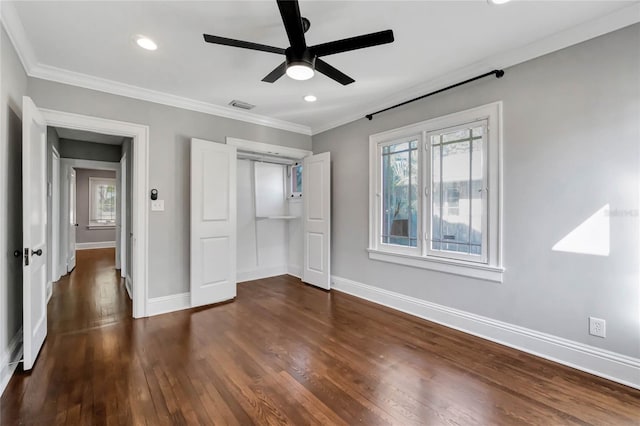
x,y
9,360
258,274
295,271
610,365
96,245
165,304
127,285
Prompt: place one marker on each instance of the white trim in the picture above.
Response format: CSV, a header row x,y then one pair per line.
x,y
455,267
165,304
10,359
295,271
56,272
127,285
260,273
140,179
95,245
613,366
569,37
253,147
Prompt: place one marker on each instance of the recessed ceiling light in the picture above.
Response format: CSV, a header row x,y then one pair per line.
x,y
310,98
498,1
146,43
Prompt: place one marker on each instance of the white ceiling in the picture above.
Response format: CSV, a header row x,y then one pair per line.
x,y
434,42
84,136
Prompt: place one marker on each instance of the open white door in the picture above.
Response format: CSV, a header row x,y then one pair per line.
x,y
34,230
213,222
71,241
123,216
316,183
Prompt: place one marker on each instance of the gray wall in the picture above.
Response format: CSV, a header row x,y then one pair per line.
x,y
83,233
81,150
13,85
571,145
170,130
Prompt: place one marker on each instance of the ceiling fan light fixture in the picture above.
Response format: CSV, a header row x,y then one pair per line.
x,y
300,71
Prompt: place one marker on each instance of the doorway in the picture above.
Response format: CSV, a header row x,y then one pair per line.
x,y
35,205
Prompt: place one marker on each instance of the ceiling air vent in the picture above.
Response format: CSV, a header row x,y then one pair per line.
x,y
241,105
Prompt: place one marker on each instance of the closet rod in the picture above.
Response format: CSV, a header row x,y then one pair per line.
x,y
498,74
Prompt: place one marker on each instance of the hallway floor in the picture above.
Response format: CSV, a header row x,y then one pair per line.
x,y
284,353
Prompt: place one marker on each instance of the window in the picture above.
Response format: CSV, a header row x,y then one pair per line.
x,y
435,194
295,181
102,202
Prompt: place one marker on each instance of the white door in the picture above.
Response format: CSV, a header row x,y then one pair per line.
x,y
316,182
213,222
123,216
34,230
71,241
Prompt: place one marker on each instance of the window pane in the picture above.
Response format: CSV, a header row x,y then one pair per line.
x,y
400,194
457,214
296,179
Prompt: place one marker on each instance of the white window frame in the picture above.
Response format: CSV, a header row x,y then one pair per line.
x,y
490,266
96,181
291,175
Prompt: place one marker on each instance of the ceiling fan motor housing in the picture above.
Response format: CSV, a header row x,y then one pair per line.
x,y
304,58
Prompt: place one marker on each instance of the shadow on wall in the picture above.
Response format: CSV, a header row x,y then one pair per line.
x,y
14,219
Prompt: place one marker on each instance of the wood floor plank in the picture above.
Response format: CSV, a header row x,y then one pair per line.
x,y
285,353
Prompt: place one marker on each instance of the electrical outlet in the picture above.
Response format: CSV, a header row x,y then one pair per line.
x,y
597,327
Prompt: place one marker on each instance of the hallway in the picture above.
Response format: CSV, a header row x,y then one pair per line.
x,y
284,353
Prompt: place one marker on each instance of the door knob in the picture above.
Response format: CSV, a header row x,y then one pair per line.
x,y
36,252
75,224
17,253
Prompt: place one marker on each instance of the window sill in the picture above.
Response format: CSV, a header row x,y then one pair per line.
x,y
101,227
465,269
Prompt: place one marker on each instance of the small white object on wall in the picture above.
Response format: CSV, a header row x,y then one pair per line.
x,y
157,205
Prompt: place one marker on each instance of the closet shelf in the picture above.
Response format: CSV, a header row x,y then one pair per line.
x,y
276,217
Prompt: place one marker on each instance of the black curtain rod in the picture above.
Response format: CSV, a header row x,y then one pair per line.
x,y
498,74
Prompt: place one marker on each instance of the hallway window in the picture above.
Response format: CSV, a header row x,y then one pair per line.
x,y
102,202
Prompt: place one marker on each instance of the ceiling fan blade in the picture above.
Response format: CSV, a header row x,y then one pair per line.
x,y
333,73
290,12
276,73
243,44
353,43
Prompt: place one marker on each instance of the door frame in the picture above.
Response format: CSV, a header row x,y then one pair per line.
x,y
123,215
140,179
55,214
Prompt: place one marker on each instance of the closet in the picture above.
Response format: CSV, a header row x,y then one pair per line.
x,y
257,210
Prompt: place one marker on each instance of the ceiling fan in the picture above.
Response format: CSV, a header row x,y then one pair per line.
x,y
301,60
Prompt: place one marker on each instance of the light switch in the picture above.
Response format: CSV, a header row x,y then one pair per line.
x,y
157,205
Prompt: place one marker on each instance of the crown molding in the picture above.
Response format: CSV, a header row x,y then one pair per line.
x,y
86,81
619,19
33,68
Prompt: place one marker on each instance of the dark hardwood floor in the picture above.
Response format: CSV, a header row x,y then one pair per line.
x,y
285,353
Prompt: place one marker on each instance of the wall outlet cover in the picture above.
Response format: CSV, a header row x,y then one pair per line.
x,y
597,327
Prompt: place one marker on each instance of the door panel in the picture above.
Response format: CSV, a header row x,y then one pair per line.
x,y
317,221
34,230
213,222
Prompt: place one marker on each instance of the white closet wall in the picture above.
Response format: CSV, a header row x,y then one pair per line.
x,y
263,242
